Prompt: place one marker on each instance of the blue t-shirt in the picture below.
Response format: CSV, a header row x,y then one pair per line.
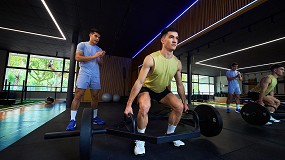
x,y
233,83
89,67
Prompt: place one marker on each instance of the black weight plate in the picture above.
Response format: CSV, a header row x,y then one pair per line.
x,y
210,120
86,135
255,114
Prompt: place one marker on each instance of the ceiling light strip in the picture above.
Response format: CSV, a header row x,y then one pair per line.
x,y
228,16
211,66
243,49
49,12
165,27
38,34
261,65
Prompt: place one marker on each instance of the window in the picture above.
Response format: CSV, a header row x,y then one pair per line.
x,y
201,85
15,78
17,60
16,71
40,73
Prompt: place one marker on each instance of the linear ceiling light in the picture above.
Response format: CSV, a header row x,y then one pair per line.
x,y
266,64
165,27
39,34
261,65
228,16
239,50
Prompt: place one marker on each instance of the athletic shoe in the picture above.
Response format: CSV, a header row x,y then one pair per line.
x,y
268,123
178,143
139,148
274,120
228,110
97,120
71,126
237,110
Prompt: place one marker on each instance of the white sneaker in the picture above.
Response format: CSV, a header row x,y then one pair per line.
x,y
139,148
274,120
268,123
178,143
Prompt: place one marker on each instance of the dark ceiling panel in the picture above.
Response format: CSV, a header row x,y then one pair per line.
x,y
127,25
262,24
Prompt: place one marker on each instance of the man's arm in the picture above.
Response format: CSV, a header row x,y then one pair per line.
x,y
147,64
239,76
100,61
263,86
81,58
180,87
271,93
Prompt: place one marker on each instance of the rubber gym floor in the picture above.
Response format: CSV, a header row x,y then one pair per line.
x,y
238,140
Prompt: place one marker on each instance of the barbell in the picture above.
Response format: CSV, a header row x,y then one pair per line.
x,y
205,119
256,114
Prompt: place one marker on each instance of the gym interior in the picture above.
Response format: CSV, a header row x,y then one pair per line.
x,y
39,72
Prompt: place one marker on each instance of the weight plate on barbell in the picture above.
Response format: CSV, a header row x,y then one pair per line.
x,y
210,120
255,114
86,136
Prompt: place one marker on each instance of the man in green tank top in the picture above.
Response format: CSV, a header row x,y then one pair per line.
x,y
264,91
155,76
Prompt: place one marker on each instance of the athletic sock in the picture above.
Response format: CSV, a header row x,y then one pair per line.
x,y
95,111
170,129
73,114
141,130
238,106
228,106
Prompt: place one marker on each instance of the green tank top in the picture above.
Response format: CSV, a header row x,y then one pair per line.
x,y
163,72
270,87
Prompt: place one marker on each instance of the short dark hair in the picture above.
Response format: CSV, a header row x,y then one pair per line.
x,y
166,30
234,64
274,66
92,30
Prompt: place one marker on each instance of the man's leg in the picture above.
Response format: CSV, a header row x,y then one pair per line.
x,y
142,120
174,116
270,101
74,107
237,99
229,100
94,106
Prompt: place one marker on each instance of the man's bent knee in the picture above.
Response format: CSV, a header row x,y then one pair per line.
x,y
143,109
178,108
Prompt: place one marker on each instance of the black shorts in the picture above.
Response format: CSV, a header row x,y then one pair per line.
x,y
253,95
154,95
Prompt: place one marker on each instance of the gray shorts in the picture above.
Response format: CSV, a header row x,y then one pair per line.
x,y
84,81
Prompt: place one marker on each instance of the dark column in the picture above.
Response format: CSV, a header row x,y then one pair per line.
x,y
189,77
71,75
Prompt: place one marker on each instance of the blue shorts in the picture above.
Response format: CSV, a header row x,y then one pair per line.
x,y
234,90
84,81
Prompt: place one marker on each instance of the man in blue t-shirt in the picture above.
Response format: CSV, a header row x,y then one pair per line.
x,y
233,76
89,56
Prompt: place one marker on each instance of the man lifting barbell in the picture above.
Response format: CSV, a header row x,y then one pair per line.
x,y
263,93
157,71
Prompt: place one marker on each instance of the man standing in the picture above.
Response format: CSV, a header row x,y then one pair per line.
x,y
233,76
155,76
89,56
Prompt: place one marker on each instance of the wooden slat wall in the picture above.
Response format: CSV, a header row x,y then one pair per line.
x,y
112,80
199,17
